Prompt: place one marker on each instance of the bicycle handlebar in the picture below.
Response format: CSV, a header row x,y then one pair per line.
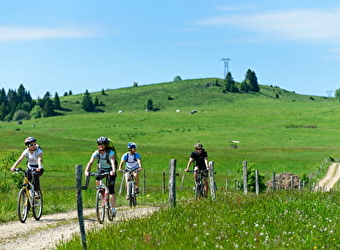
x,y
200,171
131,171
100,174
25,171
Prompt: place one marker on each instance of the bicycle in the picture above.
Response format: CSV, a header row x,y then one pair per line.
x,y
103,201
131,188
199,184
28,197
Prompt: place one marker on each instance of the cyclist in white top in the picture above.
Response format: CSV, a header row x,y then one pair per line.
x,y
34,154
132,161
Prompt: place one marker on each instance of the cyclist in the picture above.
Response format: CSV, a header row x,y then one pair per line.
x,y
34,154
133,162
106,157
200,157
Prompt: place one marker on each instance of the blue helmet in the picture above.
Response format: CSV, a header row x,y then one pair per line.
x,y
131,145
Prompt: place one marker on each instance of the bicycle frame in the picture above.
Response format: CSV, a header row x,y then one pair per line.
x,y
199,184
27,198
131,188
103,198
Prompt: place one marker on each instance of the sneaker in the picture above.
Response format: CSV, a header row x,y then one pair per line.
x,y
137,190
36,195
114,211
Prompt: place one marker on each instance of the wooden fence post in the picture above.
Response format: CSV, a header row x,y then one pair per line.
x,y
274,181
79,174
163,182
172,183
257,185
212,180
144,182
245,179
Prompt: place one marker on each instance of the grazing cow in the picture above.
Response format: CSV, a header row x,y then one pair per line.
x,y
177,111
120,111
193,112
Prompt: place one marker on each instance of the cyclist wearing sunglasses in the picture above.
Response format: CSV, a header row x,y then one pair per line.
x,y
34,155
200,157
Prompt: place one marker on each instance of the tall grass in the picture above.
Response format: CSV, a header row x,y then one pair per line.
x,y
280,220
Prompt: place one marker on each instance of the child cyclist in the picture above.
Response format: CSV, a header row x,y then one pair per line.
x,y
106,157
132,161
200,157
34,155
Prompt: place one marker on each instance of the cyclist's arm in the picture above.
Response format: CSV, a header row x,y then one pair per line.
x,y
191,160
121,164
17,162
139,161
113,164
206,162
88,167
40,166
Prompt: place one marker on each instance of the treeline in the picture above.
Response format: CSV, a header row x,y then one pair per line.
x,y
18,105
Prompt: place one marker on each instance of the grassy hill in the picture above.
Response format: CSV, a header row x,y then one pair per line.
x,y
185,95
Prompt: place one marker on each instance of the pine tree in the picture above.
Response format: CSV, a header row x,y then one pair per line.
x,y
56,101
87,103
251,76
149,104
229,82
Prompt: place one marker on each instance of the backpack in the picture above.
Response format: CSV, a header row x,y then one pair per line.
x,y
127,157
110,147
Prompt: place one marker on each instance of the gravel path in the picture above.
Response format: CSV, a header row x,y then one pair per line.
x,y
51,229
332,177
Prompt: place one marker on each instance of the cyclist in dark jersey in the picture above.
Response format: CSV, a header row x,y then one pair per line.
x,y
200,157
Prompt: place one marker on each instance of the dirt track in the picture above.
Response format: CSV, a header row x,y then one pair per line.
x,y
51,229
332,176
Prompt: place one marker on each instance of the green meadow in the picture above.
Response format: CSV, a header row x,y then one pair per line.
x,y
278,131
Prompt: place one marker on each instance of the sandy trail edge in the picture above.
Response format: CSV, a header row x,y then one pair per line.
x,y
331,178
51,229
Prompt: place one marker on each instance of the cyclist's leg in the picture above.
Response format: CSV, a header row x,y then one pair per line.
x,y
206,187
195,173
112,181
135,176
127,176
36,176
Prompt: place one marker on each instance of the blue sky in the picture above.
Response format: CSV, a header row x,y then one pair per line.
x,y
75,45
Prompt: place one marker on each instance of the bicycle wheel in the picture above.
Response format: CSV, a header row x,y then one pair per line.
x,y
23,204
134,196
197,191
131,196
110,215
37,205
100,207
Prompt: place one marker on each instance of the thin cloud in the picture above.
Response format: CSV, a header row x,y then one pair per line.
x,y
25,33
295,25
240,7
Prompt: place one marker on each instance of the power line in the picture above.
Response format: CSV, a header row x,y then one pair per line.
x,y
329,92
226,65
